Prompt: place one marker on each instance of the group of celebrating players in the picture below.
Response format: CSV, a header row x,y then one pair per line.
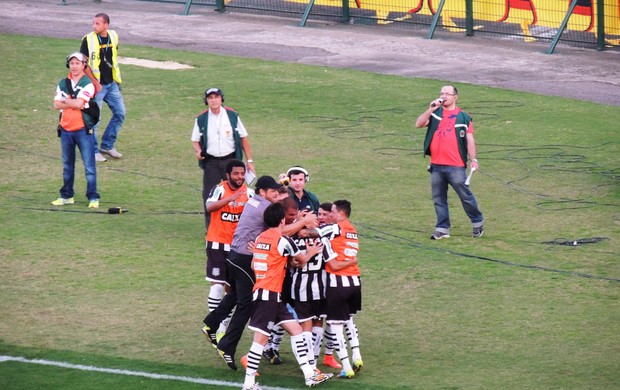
x,y
295,260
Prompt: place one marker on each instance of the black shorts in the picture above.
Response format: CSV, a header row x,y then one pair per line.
x,y
266,314
310,310
343,302
216,263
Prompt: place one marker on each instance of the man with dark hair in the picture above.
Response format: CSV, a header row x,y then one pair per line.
x,y
225,203
272,251
449,140
325,217
307,290
101,48
271,351
218,136
344,289
240,274
297,178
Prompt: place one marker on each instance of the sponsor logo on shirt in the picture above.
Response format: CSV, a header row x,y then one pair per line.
x,y
230,217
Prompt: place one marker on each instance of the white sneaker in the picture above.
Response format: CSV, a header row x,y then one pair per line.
x,y
317,378
112,153
63,201
100,157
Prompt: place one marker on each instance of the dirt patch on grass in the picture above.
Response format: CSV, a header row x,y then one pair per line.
x,y
171,65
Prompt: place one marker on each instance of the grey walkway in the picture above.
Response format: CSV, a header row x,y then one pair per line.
x,y
584,74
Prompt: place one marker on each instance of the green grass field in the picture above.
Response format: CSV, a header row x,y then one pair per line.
x,y
514,309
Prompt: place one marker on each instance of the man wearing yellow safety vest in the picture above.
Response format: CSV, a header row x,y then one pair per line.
x,y
101,48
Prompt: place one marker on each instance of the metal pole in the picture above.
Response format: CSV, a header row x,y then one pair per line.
x,y
346,12
304,17
220,6
600,25
188,4
469,18
431,30
554,43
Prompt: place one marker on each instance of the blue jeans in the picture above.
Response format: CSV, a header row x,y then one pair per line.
x,y
85,143
111,94
441,176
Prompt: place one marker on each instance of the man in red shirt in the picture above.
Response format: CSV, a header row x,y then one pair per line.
x,y
449,140
271,256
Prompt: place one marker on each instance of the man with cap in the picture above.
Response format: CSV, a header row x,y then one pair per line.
x,y
218,136
73,97
240,274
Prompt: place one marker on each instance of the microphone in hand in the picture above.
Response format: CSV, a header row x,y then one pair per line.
x,y
437,102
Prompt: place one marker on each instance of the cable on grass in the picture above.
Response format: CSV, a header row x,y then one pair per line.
x,y
575,242
110,168
63,210
555,158
384,236
357,125
90,211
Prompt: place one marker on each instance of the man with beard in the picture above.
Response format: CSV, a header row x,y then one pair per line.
x,y
226,202
240,273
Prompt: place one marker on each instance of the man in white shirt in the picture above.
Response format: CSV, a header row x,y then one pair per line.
x,y
218,136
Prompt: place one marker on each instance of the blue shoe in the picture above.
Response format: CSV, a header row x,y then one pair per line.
x,y
346,374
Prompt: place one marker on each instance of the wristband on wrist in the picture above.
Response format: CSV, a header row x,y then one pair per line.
x,y
250,161
475,160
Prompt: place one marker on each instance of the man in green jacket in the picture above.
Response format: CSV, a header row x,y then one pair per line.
x,y
218,136
449,140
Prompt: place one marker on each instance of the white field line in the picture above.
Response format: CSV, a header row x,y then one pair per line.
x,y
202,381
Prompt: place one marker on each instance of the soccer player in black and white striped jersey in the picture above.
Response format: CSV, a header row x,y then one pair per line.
x,y
308,287
325,218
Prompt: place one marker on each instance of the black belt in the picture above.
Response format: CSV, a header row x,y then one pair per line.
x,y
228,157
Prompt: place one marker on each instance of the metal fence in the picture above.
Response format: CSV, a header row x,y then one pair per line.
x,y
584,23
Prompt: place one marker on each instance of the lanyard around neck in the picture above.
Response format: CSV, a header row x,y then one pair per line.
x,y
107,43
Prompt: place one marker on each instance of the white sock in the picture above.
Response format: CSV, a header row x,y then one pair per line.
x,y
224,323
300,350
256,351
317,339
353,339
277,334
329,340
308,337
216,293
341,347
